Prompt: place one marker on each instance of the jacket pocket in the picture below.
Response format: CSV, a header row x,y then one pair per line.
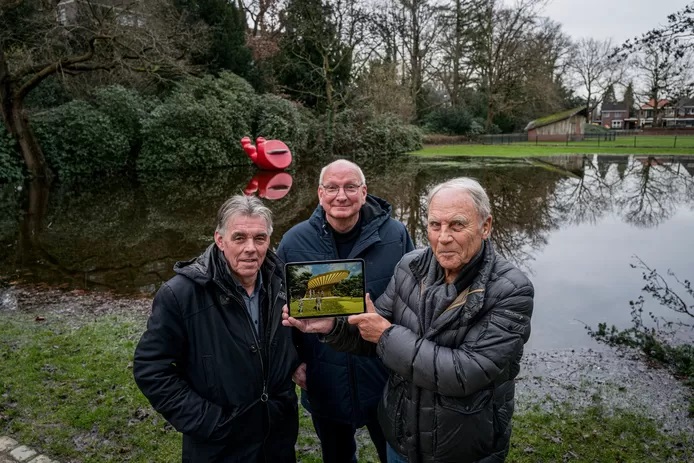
x,y
464,427
510,321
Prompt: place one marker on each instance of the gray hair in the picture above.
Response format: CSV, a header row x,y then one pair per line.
x,y
247,206
346,163
465,185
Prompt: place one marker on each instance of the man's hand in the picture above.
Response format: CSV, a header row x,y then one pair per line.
x,y
371,325
299,376
310,325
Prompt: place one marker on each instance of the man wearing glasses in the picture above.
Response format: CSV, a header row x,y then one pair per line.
x,y
340,390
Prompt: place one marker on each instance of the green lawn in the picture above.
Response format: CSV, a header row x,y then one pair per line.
x,y
66,389
329,306
621,146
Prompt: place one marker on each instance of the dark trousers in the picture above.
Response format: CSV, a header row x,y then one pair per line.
x,y
337,439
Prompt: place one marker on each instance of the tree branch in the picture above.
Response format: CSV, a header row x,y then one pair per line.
x,y
50,69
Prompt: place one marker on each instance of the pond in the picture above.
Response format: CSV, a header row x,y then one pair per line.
x,y
573,223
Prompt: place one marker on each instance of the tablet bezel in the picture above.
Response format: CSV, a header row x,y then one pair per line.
x,y
337,264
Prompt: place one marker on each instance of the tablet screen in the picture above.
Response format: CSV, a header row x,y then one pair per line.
x,y
325,288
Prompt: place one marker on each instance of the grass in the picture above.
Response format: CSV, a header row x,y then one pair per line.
x,y
620,146
331,305
66,389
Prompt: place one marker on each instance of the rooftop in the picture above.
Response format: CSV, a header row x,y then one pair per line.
x,y
551,119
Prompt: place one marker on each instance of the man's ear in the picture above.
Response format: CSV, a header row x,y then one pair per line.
x,y
487,227
219,240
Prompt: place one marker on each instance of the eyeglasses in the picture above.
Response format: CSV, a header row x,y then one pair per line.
x,y
349,189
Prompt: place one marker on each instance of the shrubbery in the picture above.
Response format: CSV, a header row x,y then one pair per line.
x,y
48,94
127,109
10,167
199,126
77,139
453,121
278,118
363,135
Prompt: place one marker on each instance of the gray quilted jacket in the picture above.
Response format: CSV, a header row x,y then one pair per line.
x,y
450,392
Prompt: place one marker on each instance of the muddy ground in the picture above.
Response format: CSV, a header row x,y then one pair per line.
x,y
578,378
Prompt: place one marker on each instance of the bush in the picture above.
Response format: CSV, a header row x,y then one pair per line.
x,y
449,120
50,93
10,165
280,119
363,135
126,108
77,139
199,126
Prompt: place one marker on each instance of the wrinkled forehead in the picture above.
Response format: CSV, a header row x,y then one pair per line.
x,y
245,224
449,203
341,173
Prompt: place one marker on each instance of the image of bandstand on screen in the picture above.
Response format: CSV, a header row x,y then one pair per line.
x,y
325,288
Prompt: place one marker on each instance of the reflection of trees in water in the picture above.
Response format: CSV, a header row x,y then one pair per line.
x,y
582,199
396,182
519,197
642,191
125,234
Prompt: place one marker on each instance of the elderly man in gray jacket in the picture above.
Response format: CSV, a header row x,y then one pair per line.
x,y
450,328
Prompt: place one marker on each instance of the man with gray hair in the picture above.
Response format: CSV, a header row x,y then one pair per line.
x,y
215,360
450,329
340,390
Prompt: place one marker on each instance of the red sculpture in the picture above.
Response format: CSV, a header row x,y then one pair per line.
x,y
269,185
267,154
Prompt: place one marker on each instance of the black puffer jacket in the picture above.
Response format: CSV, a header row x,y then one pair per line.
x,y
202,367
449,396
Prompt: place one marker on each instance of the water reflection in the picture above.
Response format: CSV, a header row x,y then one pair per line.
x,y
125,234
643,191
269,185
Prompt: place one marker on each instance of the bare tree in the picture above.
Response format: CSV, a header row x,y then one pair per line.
x,y
499,54
263,15
593,69
662,75
453,66
39,39
419,28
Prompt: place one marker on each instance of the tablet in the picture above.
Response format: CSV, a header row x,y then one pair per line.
x,y
327,288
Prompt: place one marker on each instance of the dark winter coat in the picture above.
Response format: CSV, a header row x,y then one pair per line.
x,y
341,386
202,366
450,392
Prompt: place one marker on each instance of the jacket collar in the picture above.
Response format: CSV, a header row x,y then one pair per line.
x,y
375,212
474,298
205,268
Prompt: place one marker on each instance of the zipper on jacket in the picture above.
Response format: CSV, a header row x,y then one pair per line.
x,y
264,397
257,343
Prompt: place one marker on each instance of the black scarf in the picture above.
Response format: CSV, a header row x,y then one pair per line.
x,y
438,294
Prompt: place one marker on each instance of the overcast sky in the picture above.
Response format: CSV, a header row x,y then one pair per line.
x,y
619,19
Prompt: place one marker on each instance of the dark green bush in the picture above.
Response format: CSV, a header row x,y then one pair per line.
x,y
10,165
126,108
199,126
453,121
78,139
361,134
281,119
50,93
